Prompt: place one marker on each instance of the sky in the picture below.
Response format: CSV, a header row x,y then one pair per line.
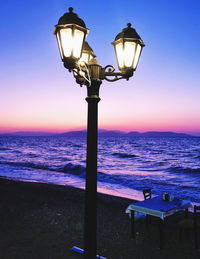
x,y
38,94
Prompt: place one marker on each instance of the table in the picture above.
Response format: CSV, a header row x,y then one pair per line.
x,y
158,208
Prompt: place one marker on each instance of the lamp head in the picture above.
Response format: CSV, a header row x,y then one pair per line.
x,y
70,33
128,46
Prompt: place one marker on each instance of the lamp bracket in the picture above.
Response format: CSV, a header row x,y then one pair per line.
x,y
108,71
82,74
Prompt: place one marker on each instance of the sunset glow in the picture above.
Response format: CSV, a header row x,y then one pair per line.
x,y
38,94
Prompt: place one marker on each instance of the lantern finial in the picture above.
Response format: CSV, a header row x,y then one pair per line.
x,y
71,9
129,25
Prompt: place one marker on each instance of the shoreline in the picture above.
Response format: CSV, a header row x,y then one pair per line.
x,y
127,193
45,221
79,192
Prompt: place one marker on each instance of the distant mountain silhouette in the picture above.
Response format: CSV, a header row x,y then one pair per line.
x,y
111,133
157,134
28,133
101,133
78,133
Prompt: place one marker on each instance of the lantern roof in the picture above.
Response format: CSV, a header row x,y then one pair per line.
x,y
129,33
87,47
71,18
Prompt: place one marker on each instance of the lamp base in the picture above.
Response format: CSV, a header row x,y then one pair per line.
x,y
81,251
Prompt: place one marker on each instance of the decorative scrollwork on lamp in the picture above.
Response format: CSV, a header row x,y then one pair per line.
x,y
109,71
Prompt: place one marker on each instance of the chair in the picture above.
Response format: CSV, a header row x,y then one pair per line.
x,y
191,224
147,194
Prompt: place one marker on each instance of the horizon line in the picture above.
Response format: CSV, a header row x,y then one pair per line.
x,y
100,129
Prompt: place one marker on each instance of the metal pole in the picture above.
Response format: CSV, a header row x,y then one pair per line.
x,y
90,244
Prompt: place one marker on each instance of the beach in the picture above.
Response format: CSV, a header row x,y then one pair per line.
x,y
46,221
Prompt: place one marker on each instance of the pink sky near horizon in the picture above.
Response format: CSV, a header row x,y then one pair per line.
x,y
129,110
38,94
123,125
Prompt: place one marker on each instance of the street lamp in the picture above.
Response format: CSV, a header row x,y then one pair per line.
x,y
78,57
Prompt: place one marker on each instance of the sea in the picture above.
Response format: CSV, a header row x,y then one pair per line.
x,y
126,165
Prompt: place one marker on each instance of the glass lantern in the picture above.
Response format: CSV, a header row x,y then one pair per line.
x,y
70,33
128,47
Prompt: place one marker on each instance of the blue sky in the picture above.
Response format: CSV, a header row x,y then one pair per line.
x,y
38,93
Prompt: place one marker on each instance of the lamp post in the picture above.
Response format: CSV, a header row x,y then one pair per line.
x,y
78,57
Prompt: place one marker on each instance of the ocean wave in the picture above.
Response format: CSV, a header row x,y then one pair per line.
x,y
68,168
126,180
189,187
158,164
74,169
4,149
76,145
27,164
52,149
32,155
16,152
124,155
183,170
66,159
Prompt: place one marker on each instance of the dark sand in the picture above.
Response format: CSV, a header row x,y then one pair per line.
x,y
45,221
